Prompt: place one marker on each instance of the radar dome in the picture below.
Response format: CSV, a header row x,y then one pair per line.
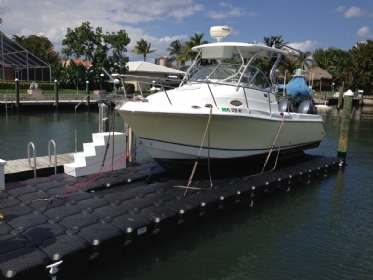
x,y
219,32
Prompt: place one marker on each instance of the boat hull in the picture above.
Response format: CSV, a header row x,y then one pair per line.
x,y
176,139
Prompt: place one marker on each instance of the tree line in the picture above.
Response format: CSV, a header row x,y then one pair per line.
x,y
353,68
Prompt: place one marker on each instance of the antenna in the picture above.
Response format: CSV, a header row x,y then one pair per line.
x,y
219,32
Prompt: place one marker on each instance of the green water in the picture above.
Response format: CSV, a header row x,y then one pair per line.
x,y
321,230
18,129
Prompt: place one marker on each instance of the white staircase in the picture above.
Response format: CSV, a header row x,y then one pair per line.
x,y
90,160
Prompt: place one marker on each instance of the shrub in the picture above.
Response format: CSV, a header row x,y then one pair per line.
x,y
25,85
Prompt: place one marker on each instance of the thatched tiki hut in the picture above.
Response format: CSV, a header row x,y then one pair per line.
x,y
321,77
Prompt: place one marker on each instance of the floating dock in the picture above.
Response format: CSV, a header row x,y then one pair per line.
x,y
61,225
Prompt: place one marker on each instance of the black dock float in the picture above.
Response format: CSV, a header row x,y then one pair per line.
x,y
43,223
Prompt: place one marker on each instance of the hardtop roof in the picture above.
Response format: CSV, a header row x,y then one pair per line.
x,y
230,49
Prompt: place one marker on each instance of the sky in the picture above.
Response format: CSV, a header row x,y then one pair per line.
x,y
304,24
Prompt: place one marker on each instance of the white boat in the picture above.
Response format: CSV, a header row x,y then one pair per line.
x,y
247,120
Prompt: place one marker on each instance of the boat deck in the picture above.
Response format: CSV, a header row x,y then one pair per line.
x,y
94,219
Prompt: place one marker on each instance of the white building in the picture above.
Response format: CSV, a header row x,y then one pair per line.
x,y
147,69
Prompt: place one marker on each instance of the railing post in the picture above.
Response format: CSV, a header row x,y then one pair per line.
x,y
34,155
55,155
76,141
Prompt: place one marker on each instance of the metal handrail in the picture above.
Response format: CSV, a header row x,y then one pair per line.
x,y
76,149
34,154
213,98
55,155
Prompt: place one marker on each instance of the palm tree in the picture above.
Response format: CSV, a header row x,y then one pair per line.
x,y
142,47
176,52
275,41
306,60
194,41
19,39
362,55
322,58
290,63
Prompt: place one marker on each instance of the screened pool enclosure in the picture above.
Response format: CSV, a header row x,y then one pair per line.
x,y
17,63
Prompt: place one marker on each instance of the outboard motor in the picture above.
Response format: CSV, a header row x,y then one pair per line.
x,y
286,105
307,107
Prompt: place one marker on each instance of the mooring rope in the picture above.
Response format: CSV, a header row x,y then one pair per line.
x,y
280,130
207,132
78,186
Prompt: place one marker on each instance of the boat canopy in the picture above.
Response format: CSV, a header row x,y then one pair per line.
x,y
297,88
223,50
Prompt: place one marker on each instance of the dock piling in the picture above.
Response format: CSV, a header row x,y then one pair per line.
x,y
56,94
340,97
17,93
345,125
87,93
103,115
2,174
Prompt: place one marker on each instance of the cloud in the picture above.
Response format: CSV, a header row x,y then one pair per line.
x,y
170,39
217,15
253,14
228,11
234,31
222,4
340,9
354,12
236,12
52,18
364,32
304,46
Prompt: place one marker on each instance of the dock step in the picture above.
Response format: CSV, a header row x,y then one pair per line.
x,y
90,160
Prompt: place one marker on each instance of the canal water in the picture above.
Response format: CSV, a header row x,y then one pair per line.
x,y
39,127
320,230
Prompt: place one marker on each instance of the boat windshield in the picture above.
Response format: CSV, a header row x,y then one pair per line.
x,y
231,74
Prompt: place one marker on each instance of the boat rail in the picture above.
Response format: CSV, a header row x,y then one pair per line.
x,y
30,144
55,155
76,141
236,85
